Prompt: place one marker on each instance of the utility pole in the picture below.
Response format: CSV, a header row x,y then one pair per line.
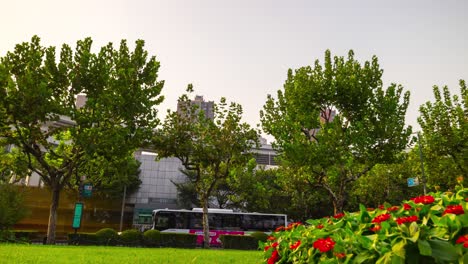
x,y
422,163
123,208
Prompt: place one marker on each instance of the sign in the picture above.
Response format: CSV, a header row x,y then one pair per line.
x,y
214,236
87,190
413,182
77,215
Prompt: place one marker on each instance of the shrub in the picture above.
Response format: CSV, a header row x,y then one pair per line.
x,y
239,242
26,235
152,238
83,239
179,240
107,236
12,207
131,237
7,236
260,236
427,229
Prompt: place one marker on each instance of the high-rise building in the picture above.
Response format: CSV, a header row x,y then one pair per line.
x,y
206,106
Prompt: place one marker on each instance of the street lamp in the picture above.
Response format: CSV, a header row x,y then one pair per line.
x,y
421,157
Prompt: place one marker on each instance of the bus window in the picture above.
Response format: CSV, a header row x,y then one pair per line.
x,y
181,220
230,222
164,220
196,221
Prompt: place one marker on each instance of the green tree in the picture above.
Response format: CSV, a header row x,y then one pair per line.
x,y
445,135
211,149
12,208
40,117
332,151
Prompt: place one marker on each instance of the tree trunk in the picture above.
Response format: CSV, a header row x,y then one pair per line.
x,y
338,205
53,215
206,227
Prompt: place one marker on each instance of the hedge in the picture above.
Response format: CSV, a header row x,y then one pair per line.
x,y
246,242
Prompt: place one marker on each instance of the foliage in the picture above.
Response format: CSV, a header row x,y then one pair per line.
x,y
179,240
82,239
131,237
239,242
425,229
59,138
260,236
12,208
40,254
445,135
333,123
386,183
152,237
210,148
107,236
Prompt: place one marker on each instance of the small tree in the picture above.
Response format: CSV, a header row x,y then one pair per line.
x,y
12,207
211,149
39,88
445,133
333,123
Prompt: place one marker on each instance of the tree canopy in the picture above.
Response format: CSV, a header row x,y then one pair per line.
x,y
444,123
40,117
333,122
210,149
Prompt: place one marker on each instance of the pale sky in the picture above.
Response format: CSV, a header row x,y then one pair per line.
x,y
242,49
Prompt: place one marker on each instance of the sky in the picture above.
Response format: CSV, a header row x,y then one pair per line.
x,y
242,49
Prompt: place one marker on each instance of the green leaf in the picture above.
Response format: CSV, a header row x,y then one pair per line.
x,y
424,248
399,248
414,232
443,250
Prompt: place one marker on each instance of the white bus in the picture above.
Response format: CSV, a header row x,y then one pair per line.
x,y
221,222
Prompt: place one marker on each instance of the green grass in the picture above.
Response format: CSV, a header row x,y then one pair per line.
x,y
14,253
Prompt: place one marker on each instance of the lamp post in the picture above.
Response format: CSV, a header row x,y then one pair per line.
x,y
421,157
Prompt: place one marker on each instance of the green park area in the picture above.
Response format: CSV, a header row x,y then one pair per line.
x,y
356,181
16,254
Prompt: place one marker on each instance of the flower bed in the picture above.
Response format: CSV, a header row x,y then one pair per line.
x,y
425,229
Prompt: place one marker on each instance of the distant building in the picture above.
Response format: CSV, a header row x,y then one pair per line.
x,y
206,106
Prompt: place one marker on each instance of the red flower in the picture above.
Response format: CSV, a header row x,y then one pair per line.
x,y
393,208
425,199
271,238
370,209
280,228
408,219
381,207
319,226
466,199
295,245
274,257
376,228
293,225
381,218
275,244
340,255
324,244
406,206
462,239
454,209
338,216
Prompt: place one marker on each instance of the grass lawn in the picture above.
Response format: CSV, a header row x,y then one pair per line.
x,y
14,253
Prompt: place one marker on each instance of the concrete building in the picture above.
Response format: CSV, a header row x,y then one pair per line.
x,y
206,106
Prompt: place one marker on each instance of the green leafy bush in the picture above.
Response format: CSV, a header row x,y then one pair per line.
x,y
107,236
12,208
83,239
425,229
131,237
239,242
260,236
152,238
179,240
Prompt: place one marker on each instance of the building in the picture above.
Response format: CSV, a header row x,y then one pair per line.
x,y
206,107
